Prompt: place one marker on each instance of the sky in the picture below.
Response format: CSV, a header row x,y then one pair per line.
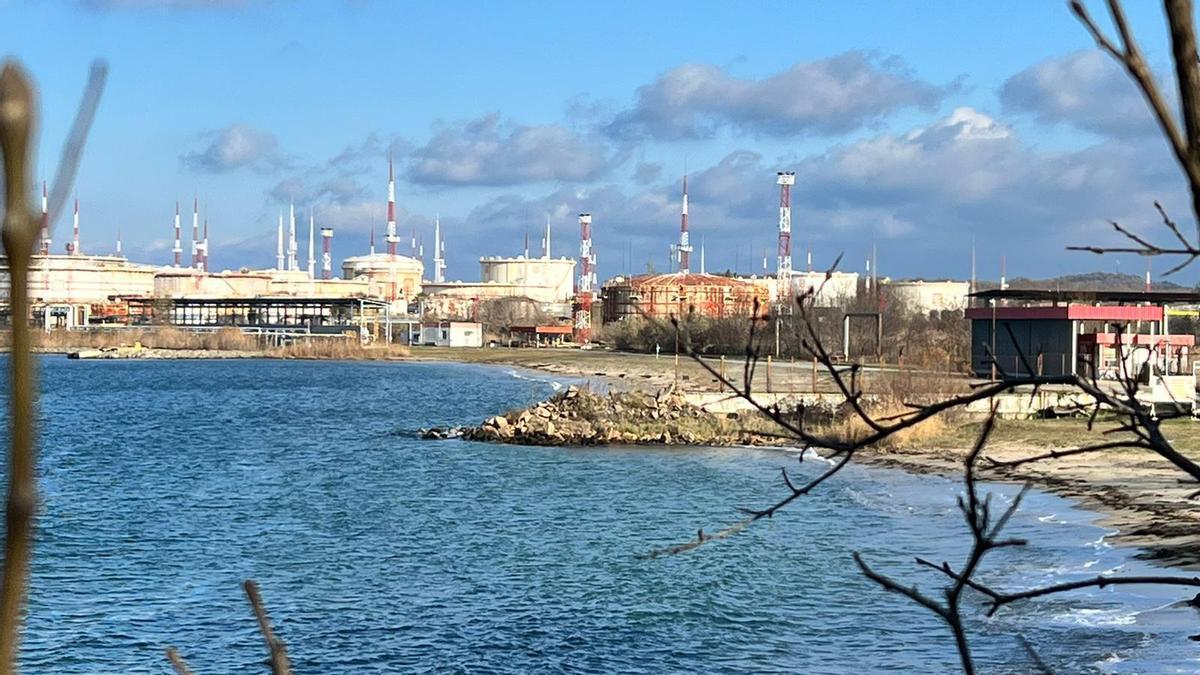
x,y
919,129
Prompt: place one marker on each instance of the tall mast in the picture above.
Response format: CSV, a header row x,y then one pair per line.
x,y
75,230
292,263
196,232
683,250
279,244
439,252
178,249
312,254
204,245
783,267
392,239
587,280
45,221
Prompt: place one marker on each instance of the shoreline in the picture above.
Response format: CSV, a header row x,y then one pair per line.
x,y
1135,492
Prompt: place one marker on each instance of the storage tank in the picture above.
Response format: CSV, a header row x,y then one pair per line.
x,y
542,279
677,294
392,277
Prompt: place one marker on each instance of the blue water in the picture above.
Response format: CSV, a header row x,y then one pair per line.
x,y
165,484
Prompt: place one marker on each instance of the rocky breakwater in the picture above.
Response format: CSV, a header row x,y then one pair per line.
x,y
580,417
139,352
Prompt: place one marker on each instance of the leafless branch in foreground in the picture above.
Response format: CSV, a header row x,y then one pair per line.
x,y
18,115
277,657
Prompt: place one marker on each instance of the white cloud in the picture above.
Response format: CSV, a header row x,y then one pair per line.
x,y
828,96
238,146
489,151
1086,89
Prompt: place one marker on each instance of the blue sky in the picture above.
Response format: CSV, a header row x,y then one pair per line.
x,y
915,126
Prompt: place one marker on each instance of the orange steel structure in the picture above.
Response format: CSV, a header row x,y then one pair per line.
x,y
664,295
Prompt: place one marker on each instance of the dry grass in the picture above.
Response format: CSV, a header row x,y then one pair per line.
x,y
850,427
345,347
225,339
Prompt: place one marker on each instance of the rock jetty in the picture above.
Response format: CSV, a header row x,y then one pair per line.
x,y
140,352
579,417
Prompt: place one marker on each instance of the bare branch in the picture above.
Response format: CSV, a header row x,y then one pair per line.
x,y
1000,599
276,647
177,662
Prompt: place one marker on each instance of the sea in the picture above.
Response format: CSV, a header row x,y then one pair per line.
x,y
165,484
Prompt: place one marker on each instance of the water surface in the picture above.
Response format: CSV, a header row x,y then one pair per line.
x,y
165,484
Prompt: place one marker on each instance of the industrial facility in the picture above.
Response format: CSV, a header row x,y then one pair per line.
x,y
1106,335
682,295
545,300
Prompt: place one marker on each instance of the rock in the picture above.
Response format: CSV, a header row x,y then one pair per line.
x,y
550,430
499,422
441,433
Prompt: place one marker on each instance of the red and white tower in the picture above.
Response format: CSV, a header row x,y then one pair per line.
x,y
683,250
783,266
74,245
196,232
293,262
178,248
312,253
327,252
439,252
586,290
45,221
392,239
204,246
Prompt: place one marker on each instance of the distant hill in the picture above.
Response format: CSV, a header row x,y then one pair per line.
x,y
1091,281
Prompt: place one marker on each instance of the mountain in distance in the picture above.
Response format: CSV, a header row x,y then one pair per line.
x,y
1090,281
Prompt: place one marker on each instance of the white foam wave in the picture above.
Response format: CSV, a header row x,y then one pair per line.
x,y
1097,617
554,384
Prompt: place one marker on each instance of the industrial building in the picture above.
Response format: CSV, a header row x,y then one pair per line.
x,y
69,291
388,276
923,297
450,334
542,279
1075,332
680,294
831,289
